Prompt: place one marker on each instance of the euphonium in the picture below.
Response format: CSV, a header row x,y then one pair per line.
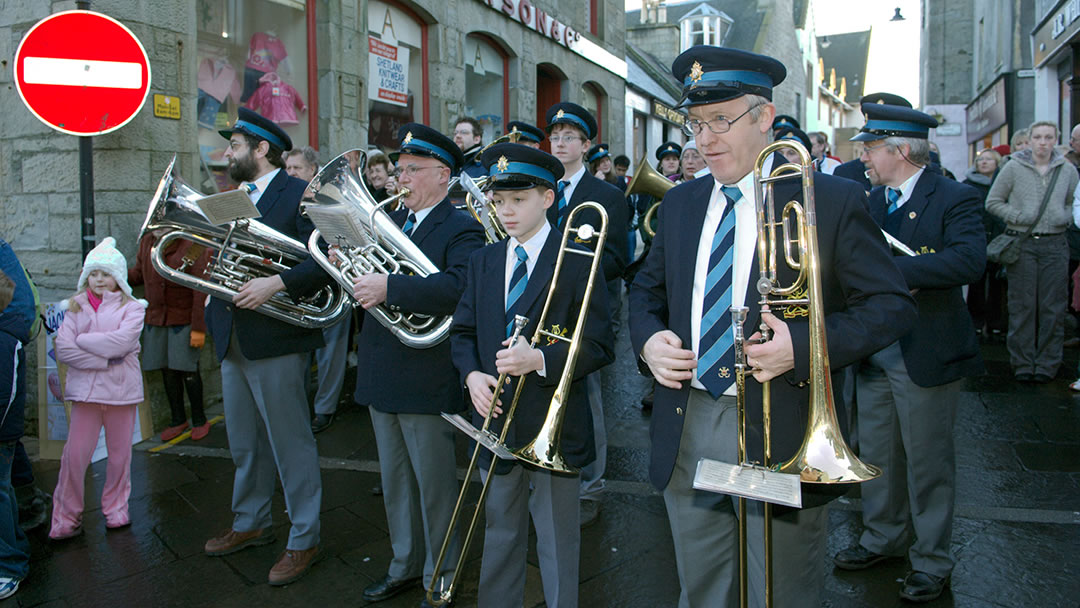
x,y
476,203
246,250
385,248
544,450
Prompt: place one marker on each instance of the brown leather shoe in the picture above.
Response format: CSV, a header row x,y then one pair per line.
x,y
232,541
293,564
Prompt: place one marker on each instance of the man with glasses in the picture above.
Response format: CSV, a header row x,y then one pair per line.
x,y
408,388
702,261
468,135
571,129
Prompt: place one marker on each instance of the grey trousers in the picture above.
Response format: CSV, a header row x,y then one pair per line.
x,y
553,504
1038,298
420,487
592,474
907,430
331,362
269,436
704,525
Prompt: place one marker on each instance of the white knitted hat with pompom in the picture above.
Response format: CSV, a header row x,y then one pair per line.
x,y
108,258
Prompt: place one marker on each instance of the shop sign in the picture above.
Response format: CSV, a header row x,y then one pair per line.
x,y
987,113
166,106
669,114
536,19
388,72
1056,31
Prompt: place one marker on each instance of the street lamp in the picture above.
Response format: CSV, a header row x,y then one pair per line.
x,y
897,16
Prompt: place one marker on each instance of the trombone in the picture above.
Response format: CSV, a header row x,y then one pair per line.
x,y
543,451
823,457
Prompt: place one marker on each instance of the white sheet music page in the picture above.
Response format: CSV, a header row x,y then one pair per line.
x,y
228,207
748,481
338,224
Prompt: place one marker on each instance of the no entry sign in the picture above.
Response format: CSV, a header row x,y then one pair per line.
x,y
82,73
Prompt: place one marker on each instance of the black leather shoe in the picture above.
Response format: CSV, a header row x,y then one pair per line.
x,y
1024,377
923,587
1042,379
857,558
388,588
321,422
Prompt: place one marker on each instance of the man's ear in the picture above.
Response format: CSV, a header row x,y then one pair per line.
x,y
765,120
262,149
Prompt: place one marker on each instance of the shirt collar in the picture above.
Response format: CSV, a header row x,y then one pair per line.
x,y
574,179
746,184
909,184
420,215
262,183
534,245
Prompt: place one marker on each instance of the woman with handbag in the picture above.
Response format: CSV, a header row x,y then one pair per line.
x,y
1033,196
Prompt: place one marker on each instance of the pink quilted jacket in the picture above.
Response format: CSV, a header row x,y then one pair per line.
x,y
101,349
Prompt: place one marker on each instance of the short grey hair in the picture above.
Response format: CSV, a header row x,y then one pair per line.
x,y
311,157
757,102
918,149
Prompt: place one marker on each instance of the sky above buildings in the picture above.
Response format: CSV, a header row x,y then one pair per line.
x,y
893,64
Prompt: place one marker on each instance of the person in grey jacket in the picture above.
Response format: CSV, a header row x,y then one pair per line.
x,y
1038,281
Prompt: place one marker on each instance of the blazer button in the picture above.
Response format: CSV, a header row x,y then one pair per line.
x,y
228,308
678,411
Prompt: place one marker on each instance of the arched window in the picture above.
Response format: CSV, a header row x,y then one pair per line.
x,y
593,101
397,42
487,93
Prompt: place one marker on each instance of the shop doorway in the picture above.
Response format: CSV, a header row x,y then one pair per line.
x,y
548,93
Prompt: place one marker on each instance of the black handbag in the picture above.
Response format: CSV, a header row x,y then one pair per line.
x,y
1005,248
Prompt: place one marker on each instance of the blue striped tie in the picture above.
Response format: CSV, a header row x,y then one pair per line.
x,y
410,223
716,362
893,194
562,202
518,280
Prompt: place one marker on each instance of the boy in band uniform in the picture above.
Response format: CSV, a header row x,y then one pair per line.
x,y
512,278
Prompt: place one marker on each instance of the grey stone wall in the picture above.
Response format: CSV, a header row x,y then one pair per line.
x,y
777,39
947,45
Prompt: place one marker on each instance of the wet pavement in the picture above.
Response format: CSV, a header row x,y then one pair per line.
x,y
1016,540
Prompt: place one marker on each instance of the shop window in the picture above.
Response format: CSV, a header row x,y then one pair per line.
x,y
593,101
250,53
487,96
397,84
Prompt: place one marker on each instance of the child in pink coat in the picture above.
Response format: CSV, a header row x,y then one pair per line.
x,y
99,342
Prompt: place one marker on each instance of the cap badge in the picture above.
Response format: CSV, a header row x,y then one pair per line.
x,y
670,149
514,129
695,72
559,114
408,138
503,164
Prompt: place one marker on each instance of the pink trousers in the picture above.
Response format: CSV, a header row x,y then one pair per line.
x,y
86,422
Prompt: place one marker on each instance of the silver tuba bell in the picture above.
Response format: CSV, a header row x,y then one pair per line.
x,y
345,214
248,249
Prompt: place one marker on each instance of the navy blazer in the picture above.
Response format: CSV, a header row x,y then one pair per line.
x,y
616,248
480,328
261,336
942,221
854,170
867,307
395,378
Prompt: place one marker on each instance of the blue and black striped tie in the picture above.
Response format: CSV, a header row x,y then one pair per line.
x,y
518,281
410,223
562,202
893,195
716,360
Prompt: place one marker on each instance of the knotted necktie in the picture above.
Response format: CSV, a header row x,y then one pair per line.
x,y
893,196
518,281
249,187
410,223
562,202
716,360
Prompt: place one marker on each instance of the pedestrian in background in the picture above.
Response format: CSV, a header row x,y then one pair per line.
x,y
986,297
99,342
14,547
1032,179
174,331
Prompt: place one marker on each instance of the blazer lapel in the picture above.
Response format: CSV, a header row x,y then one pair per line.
x,y
436,217
541,274
273,193
691,211
494,308
913,209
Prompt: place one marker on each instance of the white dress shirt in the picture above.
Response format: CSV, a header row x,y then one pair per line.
x,y
574,180
907,188
261,184
420,215
745,241
533,247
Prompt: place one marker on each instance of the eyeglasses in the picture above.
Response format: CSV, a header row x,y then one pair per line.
x,y
563,138
467,132
693,127
869,149
411,170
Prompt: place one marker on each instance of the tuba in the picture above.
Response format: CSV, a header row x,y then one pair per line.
x,y
648,180
544,450
246,250
374,245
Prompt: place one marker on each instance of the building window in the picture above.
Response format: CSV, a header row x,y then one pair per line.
x,y
250,53
487,96
592,16
703,25
593,98
397,82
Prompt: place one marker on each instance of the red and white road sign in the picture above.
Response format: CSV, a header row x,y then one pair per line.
x,y
82,73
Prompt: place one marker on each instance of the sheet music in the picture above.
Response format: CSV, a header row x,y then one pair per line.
x,y
486,440
228,207
748,481
338,224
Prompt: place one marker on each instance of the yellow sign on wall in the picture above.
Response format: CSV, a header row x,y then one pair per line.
x,y
166,106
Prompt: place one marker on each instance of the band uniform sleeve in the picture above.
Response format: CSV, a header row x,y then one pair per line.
x,y
306,277
648,293
876,308
438,294
963,258
463,341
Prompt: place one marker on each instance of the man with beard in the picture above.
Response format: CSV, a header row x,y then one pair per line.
x,y
262,367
